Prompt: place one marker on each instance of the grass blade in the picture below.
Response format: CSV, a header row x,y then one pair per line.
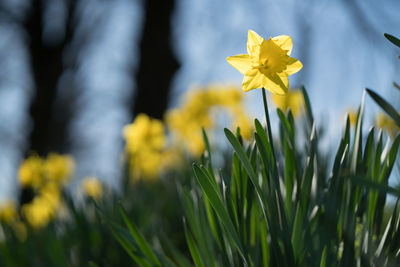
x,y
357,146
392,39
245,161
307,104
373,185
219,207
388,108
142,243
193,249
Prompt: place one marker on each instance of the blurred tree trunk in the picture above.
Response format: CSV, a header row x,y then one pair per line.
x,y
47,66
157,62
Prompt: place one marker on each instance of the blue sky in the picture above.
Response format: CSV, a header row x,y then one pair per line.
x,y
341,53
341,60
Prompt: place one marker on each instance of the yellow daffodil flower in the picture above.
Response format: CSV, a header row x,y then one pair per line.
x,y
92,187
146,164
172,157
145,141
51,192
244,123
31,172
36,171
196,112
293,100
8,211
20,230
46,177
39,212
144,132
44,207
9,215
386,123
58,168
267,64
352,116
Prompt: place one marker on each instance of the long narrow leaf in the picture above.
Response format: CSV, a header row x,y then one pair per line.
x,y
142,243
193,249
392,39
388,108
218,206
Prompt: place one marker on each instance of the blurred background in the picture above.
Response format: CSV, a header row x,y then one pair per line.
x,y
73,73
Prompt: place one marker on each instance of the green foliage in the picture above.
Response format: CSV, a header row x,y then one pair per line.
x,y
278,208
84,237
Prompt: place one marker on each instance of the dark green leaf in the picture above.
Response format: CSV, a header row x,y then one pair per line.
x,y
142,243
392,39
219,207
388,108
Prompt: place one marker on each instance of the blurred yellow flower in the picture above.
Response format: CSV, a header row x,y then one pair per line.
x,y
36,172
92,187
46,177
31,172
51,192
293,100
8,211
146,164
44,206
245,124
352,116
145,140
172,157
230,96
20,230
39,212
58,168
144,132
196,144
9,215
386,123
186,121
267,64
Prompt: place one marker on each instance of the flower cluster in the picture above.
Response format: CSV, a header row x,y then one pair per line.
x,y
92,187
46,178
186,121
150,150
145,141
9,215
293,100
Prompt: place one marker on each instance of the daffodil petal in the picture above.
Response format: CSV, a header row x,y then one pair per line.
x,y
253,43
285,79
276,84
253,79
293,66
240,62
284,42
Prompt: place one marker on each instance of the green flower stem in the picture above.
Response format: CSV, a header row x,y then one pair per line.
x,y
268,122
